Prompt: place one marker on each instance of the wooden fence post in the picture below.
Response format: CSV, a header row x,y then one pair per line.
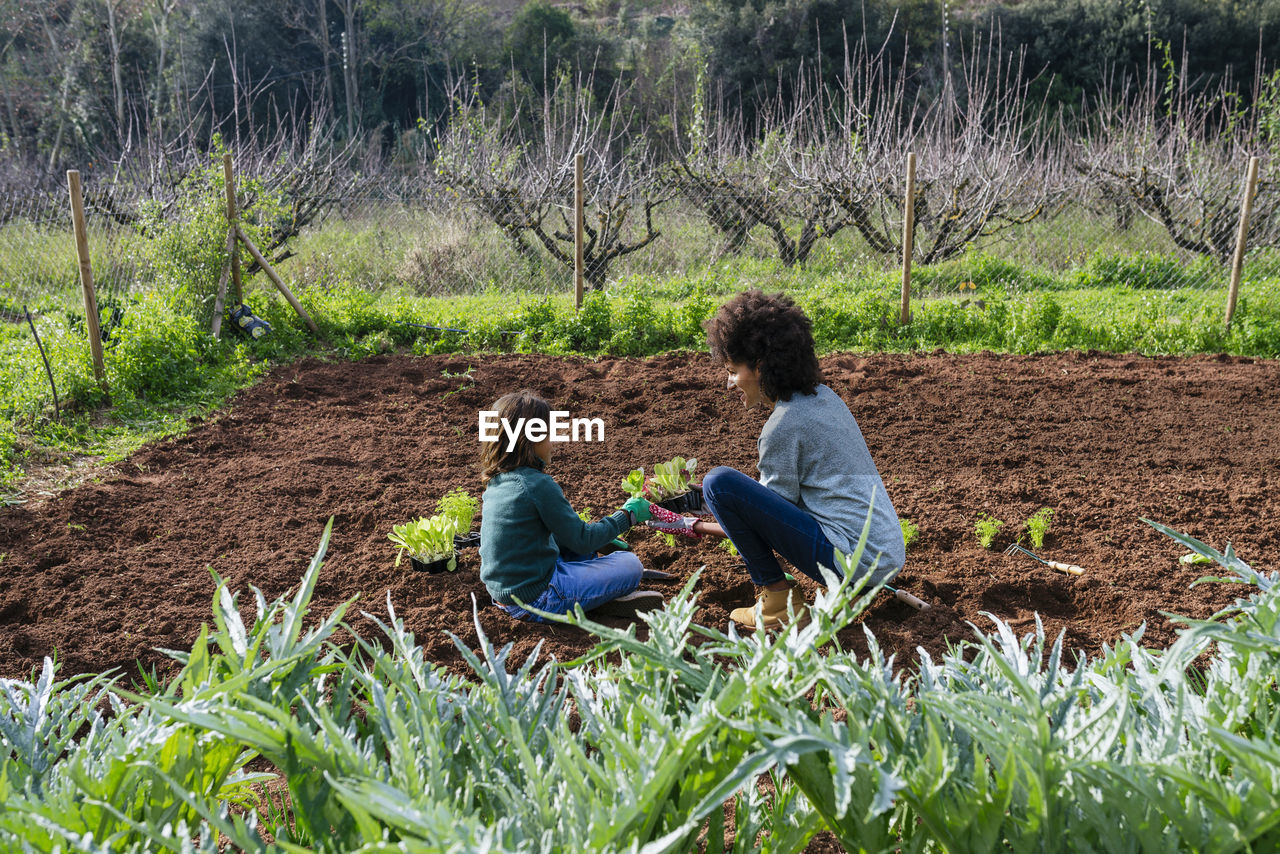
x,y
908,237
86,279
233,218
579,229
1242,238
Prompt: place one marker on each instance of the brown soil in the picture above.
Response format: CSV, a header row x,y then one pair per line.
x,y
104,572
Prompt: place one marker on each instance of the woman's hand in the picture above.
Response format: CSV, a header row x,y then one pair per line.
x,y
671,523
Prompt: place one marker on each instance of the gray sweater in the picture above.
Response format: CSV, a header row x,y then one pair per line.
x,y
813,454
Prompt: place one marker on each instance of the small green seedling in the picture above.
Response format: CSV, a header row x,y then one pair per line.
x,y
633,483
672,478
459,505
669,480
987,527
1037,525
426,539
585,514
727,545
669,539
910,532
1194,559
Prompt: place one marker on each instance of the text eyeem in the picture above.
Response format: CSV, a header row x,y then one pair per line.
x,y
559,428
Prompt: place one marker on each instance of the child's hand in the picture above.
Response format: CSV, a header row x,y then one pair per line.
x,y
640,510
672,523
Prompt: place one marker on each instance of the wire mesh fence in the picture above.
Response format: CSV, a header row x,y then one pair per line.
x,y
430,237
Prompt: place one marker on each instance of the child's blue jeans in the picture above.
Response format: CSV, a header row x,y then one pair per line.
x,y
589,582
761,523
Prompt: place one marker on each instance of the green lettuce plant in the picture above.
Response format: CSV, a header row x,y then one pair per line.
x,y
425,539
672,478
669,480
633,483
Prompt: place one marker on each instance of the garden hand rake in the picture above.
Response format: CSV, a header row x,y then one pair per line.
x,y
904,596
1069,568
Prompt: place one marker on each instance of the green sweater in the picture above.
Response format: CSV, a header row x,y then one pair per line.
x,y
526,521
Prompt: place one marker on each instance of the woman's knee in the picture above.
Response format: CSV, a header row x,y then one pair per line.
x,y
715,481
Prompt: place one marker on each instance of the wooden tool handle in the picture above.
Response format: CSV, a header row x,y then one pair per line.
x,y
1066,567
904,596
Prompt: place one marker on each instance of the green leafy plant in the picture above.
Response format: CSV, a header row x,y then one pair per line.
x,y
459,505
425,539
1038,525
585,514
672,478
669,480
910,532
727,545
987,527
633,483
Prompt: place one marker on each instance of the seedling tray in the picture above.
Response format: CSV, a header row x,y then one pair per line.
x,y
434,567
687,502
467,540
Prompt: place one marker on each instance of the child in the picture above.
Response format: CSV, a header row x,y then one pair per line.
x,y
533,546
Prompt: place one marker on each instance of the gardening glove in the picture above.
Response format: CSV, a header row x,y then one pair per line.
x,y
638,509
672,523
620,544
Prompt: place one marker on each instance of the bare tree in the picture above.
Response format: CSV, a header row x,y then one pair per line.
x,y
741,181
523,180
1178,159
824,161
987,160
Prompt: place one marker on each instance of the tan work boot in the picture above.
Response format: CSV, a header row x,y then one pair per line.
x,y
773,610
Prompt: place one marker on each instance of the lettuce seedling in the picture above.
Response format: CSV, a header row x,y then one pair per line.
x,y
633,484
672,478
426,539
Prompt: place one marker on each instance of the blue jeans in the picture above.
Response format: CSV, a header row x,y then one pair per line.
x,y
589,582
763,525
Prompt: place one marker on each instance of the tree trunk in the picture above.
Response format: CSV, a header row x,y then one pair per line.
x,y
114,33
350,61
327,49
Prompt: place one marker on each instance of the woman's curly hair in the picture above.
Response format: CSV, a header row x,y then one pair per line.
x,y
770,333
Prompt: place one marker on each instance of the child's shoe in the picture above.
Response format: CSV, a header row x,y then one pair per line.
x,y
630,604
773,610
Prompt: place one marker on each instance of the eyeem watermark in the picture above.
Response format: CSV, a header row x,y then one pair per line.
x,y
560,428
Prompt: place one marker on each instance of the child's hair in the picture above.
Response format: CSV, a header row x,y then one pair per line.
x,y
494,456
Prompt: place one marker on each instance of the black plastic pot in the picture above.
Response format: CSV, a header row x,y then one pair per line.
x,y
444,564
467,540
688,502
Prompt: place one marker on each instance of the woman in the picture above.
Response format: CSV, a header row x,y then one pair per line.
x,y
818,483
